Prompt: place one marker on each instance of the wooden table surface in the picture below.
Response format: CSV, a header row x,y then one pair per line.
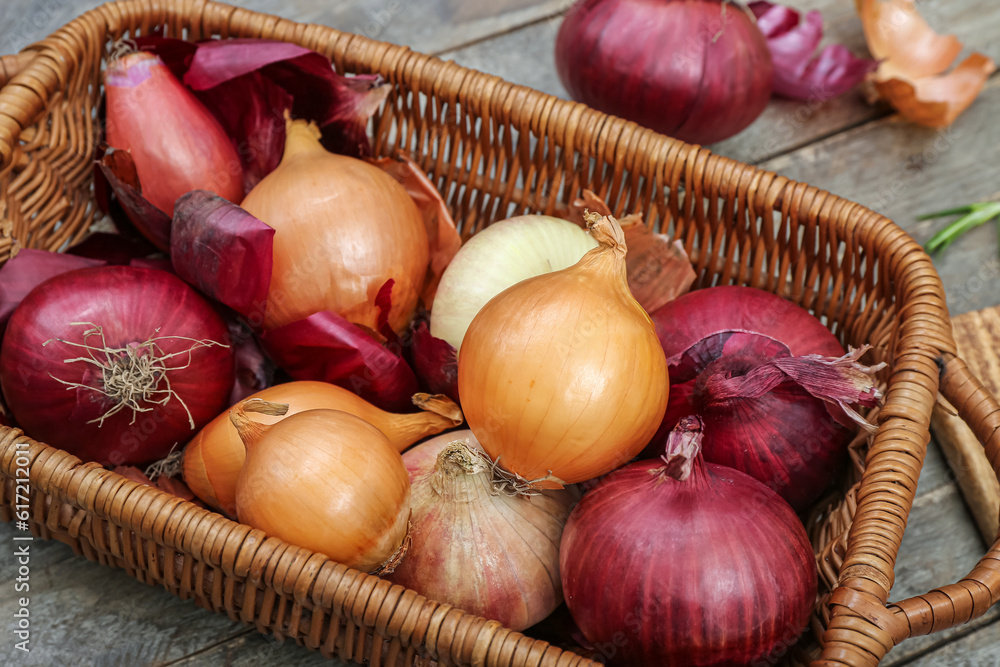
x,y
86,614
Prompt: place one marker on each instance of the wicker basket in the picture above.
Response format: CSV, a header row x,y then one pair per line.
x,y
495,149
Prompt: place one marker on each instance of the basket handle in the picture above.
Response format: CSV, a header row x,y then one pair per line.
x,y
866,626
12,65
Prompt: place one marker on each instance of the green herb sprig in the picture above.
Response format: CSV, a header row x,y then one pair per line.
x,y
972,216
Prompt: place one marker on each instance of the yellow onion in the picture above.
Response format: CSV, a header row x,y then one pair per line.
x,y
324,480
342,229
213,459
561,376
476,544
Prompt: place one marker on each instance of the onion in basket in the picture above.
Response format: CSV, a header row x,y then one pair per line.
x,y
477,544
177,145
213,459
324,480
115,364
771,382
343,228
682,562
561,376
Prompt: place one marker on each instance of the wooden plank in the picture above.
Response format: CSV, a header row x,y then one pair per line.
x,y
431,26
941,545
526,57
82,612
977,649
978,337
902,170
45,554
256,650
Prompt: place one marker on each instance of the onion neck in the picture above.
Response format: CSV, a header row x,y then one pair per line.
x,y
461,474
439,413
683,457
251,432
608,258
300,137
608,233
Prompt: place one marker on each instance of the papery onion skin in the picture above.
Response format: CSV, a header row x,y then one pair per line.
x,y
434,360
561,376
176,143
131,305
478,548
496,258
342,229
697,70
713,571
798,73
214,457
327,481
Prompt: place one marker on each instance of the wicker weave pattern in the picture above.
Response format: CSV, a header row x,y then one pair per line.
x,y
495,149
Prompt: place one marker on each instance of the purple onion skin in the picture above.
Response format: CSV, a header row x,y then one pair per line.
x,y
716,570
696,70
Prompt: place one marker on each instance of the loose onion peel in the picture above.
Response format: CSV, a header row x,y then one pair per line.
x,y
913,59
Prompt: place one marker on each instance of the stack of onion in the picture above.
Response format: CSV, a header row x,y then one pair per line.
x,y
324,480
343,228
478,545
213,459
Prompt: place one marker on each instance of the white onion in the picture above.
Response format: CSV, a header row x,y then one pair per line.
x,y
501,255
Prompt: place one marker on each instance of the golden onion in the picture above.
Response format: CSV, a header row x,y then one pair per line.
x,y
561,376
324,480
343,228
213,459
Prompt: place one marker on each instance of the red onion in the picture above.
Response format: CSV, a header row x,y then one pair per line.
x,y
777,417
177,145
254,370
697,70
29,268
115,364
682,562
476,543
